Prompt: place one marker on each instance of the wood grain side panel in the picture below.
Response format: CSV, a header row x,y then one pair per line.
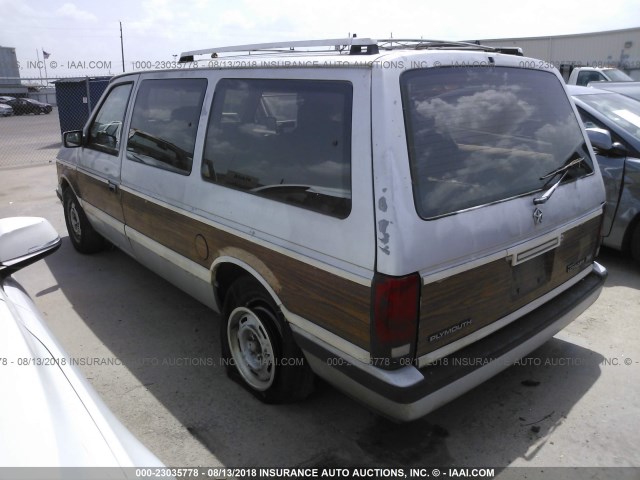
x,y
335,303
489,292
69,173
97,193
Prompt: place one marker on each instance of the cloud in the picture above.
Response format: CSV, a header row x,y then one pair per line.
x,y
160,29
69,10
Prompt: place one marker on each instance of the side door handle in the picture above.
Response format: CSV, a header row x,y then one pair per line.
x,y
113,187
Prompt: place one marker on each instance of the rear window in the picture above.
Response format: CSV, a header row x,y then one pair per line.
x,y
477,136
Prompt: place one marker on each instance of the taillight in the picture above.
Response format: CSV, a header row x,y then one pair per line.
x,y
394,319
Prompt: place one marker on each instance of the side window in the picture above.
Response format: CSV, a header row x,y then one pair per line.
x,y
585,77
287,140
164,123
106,130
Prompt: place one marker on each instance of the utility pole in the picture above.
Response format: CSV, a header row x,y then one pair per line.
x,y
44,60
121,47
39,65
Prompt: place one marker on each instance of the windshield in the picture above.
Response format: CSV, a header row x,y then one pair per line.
x,y
482,135
621,110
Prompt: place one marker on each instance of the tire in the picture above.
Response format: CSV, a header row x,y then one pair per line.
x,y
634,247
82,235
258,347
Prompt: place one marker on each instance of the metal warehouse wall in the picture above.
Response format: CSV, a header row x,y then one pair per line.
x,y
8,65
618,48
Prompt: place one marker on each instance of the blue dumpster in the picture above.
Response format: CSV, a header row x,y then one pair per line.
x,y
76,97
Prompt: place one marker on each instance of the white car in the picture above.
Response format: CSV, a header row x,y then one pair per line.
x,y
49,414
585,75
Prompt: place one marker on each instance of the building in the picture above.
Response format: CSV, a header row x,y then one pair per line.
x,y
10,73
615,48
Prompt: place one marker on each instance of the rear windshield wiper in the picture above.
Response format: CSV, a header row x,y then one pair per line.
x,y
564,170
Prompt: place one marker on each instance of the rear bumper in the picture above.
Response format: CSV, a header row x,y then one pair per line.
x,y
409,393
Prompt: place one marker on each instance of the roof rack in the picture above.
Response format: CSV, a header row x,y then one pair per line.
x,y
356,46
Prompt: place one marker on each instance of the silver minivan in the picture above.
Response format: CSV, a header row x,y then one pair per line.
x,y
402,218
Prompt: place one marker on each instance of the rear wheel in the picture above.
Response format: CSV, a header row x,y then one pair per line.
x,y
258,346
82,235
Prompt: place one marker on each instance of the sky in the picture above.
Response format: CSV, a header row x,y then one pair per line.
x,y
83,37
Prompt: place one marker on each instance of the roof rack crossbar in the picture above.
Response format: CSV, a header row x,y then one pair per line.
x,y
334,43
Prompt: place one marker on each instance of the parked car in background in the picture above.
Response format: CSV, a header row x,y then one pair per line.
x,y
23,106
49,414
5,110
628,89
617,148
584,75
5,98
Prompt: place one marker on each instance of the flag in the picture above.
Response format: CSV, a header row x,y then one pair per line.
x,y
45,54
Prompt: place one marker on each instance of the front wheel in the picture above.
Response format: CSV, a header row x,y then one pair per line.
x,y
258,347
82,235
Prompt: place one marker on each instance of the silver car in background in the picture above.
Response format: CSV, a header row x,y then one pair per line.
x,y
5,110
49,414
613,123
628,89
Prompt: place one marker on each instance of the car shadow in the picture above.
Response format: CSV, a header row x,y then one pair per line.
x,y
170,343
623,270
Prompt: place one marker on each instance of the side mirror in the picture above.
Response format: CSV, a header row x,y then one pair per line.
x,y
600,139
23,241
72,139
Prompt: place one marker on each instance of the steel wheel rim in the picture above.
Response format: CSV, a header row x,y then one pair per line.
x,y
251,348
74,220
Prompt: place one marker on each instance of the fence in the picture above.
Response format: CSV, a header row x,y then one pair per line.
x,y
32,135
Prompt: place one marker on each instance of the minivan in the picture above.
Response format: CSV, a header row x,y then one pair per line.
x,y
402,218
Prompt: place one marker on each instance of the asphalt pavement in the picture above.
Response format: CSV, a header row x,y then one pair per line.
x,y
152,352
29,139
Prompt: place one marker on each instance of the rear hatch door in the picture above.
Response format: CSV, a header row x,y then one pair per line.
x,y
503,207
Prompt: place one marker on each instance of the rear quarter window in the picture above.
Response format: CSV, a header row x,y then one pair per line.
x,y
286,140
477,136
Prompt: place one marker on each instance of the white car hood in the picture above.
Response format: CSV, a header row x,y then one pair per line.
x,y
49,414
